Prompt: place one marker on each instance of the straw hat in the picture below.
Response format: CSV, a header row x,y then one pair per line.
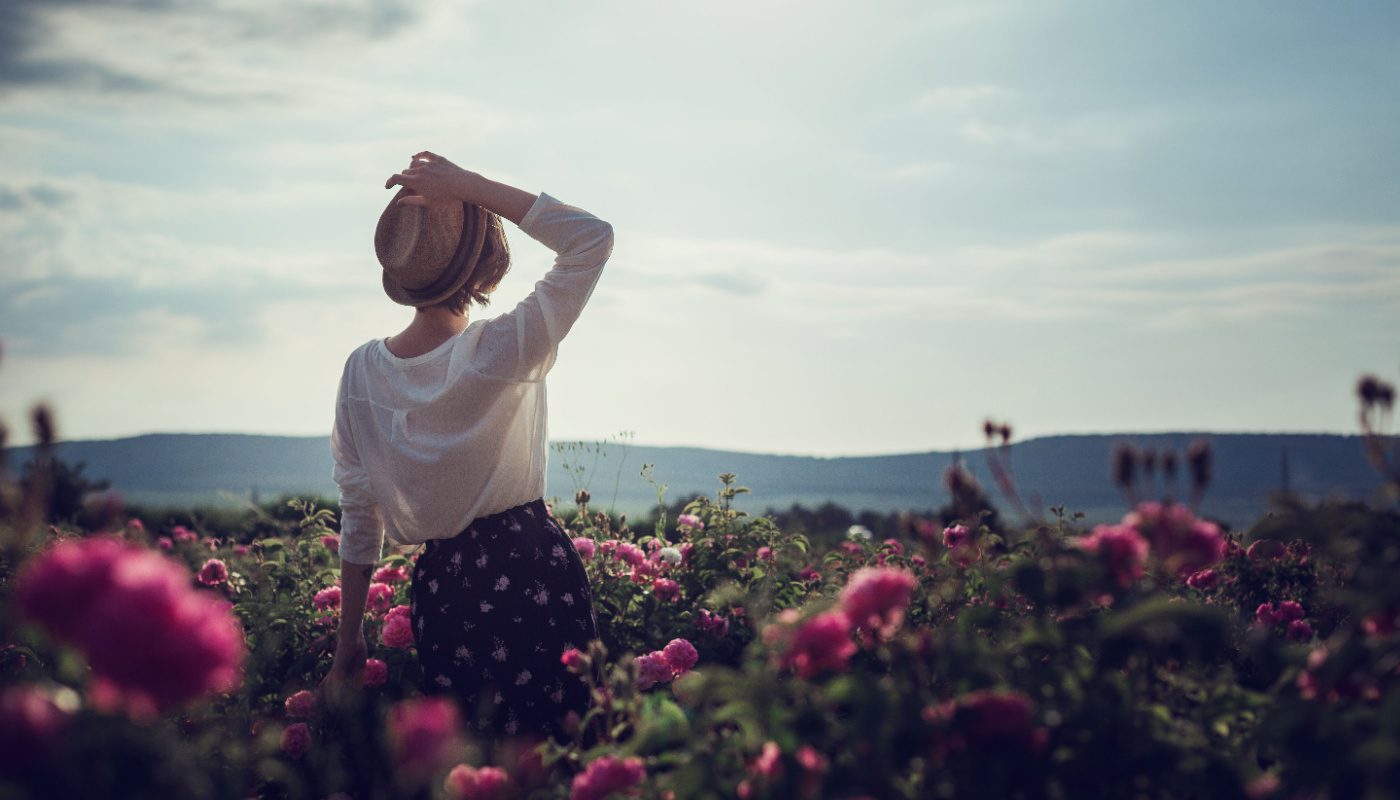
x,y
429,252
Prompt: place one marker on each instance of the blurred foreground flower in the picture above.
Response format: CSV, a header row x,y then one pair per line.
x,y
152,639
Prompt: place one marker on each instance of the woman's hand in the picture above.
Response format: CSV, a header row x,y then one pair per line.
x,y
347,669
432,179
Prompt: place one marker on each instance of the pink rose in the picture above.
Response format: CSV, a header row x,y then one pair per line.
x,y
689,522
1181,542
397,632
769,763
165,543
1121,548
1299,630
681,655
240,549
213,573
606,775
376,672
1290,610
153,641
995,718
875,598
423,732
666,589
182,534
296,739
465,782
397,574
630,553
955,536
327,598
574,660
653,668
379,597
399,611
1266,615
331,542
1204,580
821,643
585,547
717,625
301,705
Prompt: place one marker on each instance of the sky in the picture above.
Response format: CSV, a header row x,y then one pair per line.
x,y
841,228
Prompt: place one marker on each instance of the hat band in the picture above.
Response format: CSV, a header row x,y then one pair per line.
x,y
449,280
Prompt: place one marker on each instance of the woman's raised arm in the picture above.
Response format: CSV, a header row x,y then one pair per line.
x,y
435,179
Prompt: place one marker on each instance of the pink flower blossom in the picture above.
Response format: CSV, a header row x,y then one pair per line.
x,y
717,625
630,553
990,718
666,589
653,668
376,672
573,660
327,598
301,705
296,739
240,549
821,643
379,597
213,573
681,655
399,611
1181,542
211,543
182,534
136,524
955,536
1299,630
397,632
585,547
689,522
1290,610
876,597
606,775
423,732
397,574
895,546
465,782
152,640
165,544
1121,548
331,542
1266,615
1204,580
685,550
764,553
769,763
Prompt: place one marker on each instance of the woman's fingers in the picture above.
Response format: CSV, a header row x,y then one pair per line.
x,y
427,155
413,200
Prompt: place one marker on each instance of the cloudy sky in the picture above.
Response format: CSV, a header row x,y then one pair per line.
x,y
842,228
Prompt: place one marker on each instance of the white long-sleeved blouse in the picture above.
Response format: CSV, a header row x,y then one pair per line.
x,y
424,445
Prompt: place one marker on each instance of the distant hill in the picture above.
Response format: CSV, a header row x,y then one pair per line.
x,y
192,469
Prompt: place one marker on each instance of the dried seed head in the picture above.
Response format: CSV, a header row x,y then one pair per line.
x,y
1124,466
43,425
1005,434
582,497
1198,460
989,429
1368,390
1385,396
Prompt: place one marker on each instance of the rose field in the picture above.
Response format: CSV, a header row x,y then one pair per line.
x,y
975,654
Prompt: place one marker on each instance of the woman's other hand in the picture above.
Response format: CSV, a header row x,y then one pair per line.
x,y
432,179
347,669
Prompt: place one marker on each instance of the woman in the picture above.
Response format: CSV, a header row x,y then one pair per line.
x,y
440,438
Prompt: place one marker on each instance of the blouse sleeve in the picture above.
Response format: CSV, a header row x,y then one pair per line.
x,y
521,344
361,529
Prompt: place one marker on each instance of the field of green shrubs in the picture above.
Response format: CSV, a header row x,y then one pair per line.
x,y
971,656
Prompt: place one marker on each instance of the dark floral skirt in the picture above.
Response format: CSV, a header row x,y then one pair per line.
x,y
493,608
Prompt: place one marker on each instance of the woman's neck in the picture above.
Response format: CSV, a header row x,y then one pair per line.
x,y
429,329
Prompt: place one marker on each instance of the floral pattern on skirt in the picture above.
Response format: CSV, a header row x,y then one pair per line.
x,y
493,608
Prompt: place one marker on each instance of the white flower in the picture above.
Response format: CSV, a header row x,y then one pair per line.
x,y
859,532
671,555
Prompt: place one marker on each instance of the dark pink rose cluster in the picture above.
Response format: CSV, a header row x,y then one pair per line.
x,y
987,718
1182,543
1121,548
424,732
875,598
153,640
466,782
716,625
397,574
819,644
213,573
665,665
1288,615
606,775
